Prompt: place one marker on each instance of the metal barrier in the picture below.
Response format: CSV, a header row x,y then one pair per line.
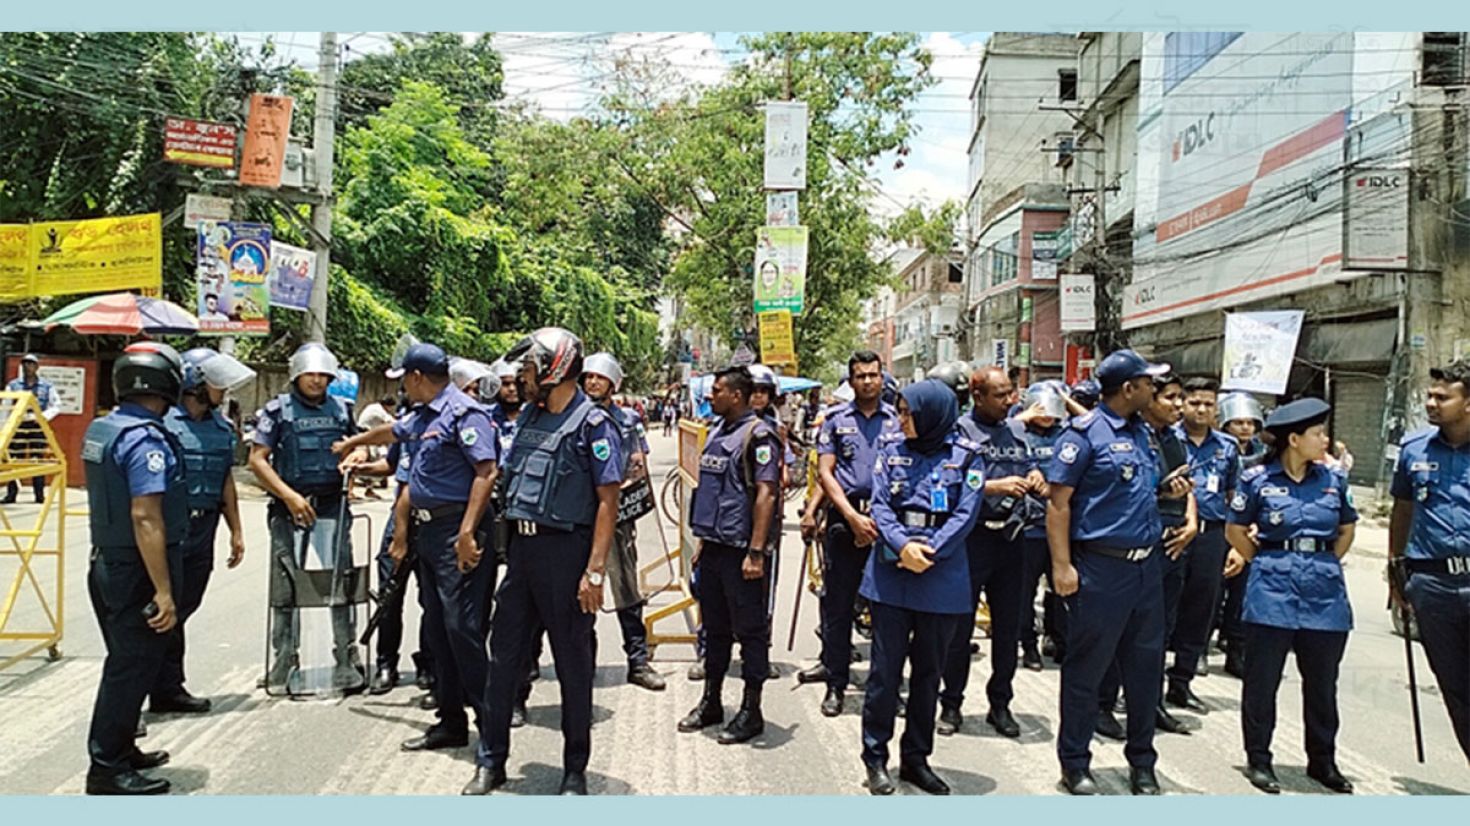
x,y
28,449
692,434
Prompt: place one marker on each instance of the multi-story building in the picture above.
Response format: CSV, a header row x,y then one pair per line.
x,y
878,323
926,310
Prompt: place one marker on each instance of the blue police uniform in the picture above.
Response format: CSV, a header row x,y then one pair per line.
x,y
208,448
555,465
504,425
1435,477
29,438
1042,444
855,440
997,565
1118,609
128,454
390,624
1295,601
1214,464
932,497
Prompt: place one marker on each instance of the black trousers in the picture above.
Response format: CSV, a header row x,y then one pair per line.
x,y
842,574
1318,656
733,608
1204,575
1442,608
390,628
922,639
198,565
1174,572
996,567
1232,627
1037,564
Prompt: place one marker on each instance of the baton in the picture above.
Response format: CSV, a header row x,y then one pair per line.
x,y
1413,685
806,564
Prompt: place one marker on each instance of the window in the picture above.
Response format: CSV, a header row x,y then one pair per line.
x,y
1067,84
1439,63
1186,52
956,275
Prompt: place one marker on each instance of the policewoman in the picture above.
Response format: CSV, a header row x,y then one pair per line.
x,y
139,517
1103,527
207,441
926,497
1044,411
731,513
566,470
1296,597
1429,536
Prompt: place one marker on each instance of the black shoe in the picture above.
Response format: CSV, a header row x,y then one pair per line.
x,y
1108,726
384,679
708,713
486,778
125,783
1166,722
950,721
436,738
1180,696
1202,667
1330,777
181,703
832,703
879,781
147,760
1235,664
924,777
428,702
1142,780
1263,778
518,715
574,783
747,723
696,671
1079,782
1031,659
1003,722
815,674
644,676
423,680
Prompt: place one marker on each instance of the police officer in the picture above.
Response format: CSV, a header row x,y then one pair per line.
x,y
1427,537
1240,417
956,376
731,513
1044,410
565,471
851,437
207,441
293,460
506,410
994,552
926,497
1296,597
1103,527
29,440
139,518
764,400
1214,461
1086,393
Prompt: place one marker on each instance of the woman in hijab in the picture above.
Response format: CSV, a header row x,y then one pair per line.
x,y
926,495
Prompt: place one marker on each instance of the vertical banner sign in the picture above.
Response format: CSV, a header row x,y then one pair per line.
x,y
778,340
234,259
1258,350
199,143
781,209
786,123
265,141
97,255
292,271
780,269
15,269
1078,310
1044,246
1000,353
1376,222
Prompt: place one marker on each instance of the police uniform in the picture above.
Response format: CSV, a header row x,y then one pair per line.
x,y
623,567
390,625
555,465
1435,477
1042,444
128,454
1232,629
1214,465
855,440
29,439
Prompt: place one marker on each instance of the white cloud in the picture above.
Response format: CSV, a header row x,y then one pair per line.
x,y
937,166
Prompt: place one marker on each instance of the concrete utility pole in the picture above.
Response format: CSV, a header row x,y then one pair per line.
x,y
322,137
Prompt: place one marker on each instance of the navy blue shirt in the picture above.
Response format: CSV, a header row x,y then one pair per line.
x,y
454,434
1043,446
1111,465
42,389
1436,478
1006,453
505,425
1215,465
144,455
737,456
856,439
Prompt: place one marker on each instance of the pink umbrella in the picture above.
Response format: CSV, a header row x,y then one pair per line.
x,y
123,314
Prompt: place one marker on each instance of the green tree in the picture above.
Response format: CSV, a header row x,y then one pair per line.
x,y
935,231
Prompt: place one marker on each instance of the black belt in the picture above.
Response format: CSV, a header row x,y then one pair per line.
x,y
921,519
993,524
1454,566
424,516
1129,554
526,527
1210,524
202,513
1305,545
862,506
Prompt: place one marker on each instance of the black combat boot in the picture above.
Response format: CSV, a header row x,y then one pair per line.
x,y
709,712
748,722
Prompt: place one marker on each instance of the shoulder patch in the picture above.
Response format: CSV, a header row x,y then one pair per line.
x,y
156,461
471,435
974,479
966,443
1252,473
602,449
1068,454
1238,501
596,417
763,455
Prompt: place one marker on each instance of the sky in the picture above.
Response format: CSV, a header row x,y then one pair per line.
x,y
560,72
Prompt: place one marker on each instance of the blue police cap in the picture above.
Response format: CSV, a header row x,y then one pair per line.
x,y
1126,365
429,359
1298,415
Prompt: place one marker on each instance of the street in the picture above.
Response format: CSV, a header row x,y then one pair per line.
x,y
253,744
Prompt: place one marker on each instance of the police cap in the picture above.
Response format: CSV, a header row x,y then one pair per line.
x,y
429,359
1299,415
1125,365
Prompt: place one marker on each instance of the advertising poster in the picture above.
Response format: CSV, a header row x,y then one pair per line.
x,y
778,340
1078,307
97,255
15,280
199,143
780,269
1259,348
265,141
786,126
234,261
292,271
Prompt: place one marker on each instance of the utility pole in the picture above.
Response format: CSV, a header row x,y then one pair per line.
x,y
322,136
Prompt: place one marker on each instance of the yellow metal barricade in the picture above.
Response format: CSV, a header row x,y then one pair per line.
x,y
34,594
692,434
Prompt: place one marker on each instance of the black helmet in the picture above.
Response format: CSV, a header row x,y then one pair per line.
x,y
556,354
956,375
890,388
148,368
1087,392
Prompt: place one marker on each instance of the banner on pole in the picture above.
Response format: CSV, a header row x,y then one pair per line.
x,y
782,209
780,269
1259,348
778,338
199,143
96,255
15,269
1077,310
199,208
786,126
234,260
292,271
265,141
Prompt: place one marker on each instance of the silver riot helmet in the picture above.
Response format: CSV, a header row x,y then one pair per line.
x,y
464,372
1239,405
763,376
203,366
1048,396
312,357
604,364
400,350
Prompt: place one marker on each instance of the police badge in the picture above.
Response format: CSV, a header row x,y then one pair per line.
x,y
469,436
156,462
601,449
763,455
1127,472
975,479
1068,454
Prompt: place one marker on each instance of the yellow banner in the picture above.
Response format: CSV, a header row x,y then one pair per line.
x,y
778,340
97,255
15,270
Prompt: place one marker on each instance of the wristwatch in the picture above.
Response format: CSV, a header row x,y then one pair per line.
x,y
755,552
594,578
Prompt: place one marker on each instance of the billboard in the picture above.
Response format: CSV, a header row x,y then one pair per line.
x,y
199,143
233,264
266,132
96,255
780,269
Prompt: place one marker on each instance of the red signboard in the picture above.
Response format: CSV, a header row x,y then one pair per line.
x,y
199,143
1079,363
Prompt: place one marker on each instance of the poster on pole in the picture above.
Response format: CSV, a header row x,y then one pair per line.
x,y
1000,353
786,125
199,208
778,339
781,209
234,260
1259,348
1376,221
1077,309
265,141
780,269
292,271
199,143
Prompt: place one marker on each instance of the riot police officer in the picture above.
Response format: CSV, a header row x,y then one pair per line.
x,y
139,517
1240,417
926,497
207,440
731,513
565,471
293,460
1044,410
1296,596
994,552
1102,524
1431,496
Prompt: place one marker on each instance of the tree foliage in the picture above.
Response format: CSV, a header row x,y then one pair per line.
x,y
935,231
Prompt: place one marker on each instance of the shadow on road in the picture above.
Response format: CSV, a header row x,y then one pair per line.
x,y
542,779
1411,786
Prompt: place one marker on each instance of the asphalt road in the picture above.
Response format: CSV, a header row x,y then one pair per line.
x,y
252,744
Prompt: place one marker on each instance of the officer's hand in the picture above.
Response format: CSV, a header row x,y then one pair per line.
x,y
164,621
1176,540
340,446
915,557
237,549
1179,487
1234,563
1064,580
1030,414
1036,480
350,461
301,510
753,566
1396,598
808,526
1009,486
467,552
398,549
864,530
589,596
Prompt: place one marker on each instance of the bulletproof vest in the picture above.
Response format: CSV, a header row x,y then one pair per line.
x,y
550,481
723,505
208,448
627,431
1172,454
303,455
110,502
